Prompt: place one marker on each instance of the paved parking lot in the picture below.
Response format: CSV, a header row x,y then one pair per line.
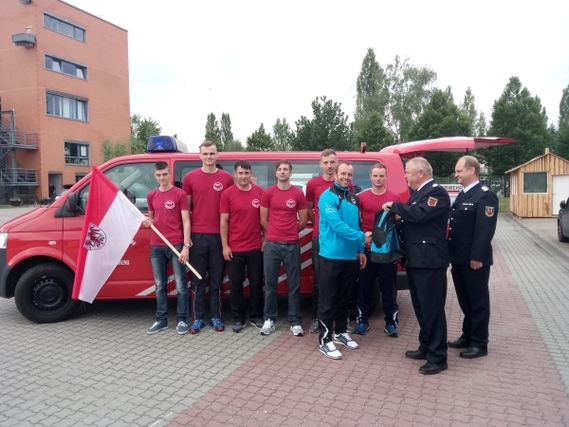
x,y
101,369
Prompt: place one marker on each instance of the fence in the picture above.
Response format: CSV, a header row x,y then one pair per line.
x,y
499,184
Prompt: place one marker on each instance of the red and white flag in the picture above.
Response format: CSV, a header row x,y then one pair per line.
x,y
111,221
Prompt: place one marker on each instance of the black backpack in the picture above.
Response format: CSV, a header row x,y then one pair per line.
x,y
385,246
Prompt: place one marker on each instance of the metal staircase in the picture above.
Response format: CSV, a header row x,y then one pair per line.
x,y
15,180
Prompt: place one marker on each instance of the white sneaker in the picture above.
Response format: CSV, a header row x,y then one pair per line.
x,y
268,327
329,350
346,340
297,330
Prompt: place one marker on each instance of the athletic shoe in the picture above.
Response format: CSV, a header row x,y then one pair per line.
x,y
157,327
196,326
182,328
217,325
257,322
345,340
238,326
268,327
314,326
362,328
329,350
391,331
297,330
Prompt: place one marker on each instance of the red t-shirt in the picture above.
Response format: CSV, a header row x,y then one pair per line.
x,y
167,207
283,206
314,189
371,203
205,190
243,207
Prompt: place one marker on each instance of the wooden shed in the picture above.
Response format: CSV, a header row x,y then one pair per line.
x,y
538,186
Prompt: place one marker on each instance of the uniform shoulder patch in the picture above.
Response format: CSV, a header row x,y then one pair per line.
x,y
489,211
432,201
484,188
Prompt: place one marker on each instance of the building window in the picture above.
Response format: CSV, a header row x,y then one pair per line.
x,y
66,106
76,153
66,67
535,182
64,27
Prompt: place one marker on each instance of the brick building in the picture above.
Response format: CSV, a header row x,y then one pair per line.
x,y
64,90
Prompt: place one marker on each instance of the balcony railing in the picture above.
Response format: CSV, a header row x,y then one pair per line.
x,y
18,176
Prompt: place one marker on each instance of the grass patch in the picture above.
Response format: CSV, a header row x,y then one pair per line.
x,y
504,204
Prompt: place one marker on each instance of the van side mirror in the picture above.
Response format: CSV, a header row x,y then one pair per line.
x,y
71,202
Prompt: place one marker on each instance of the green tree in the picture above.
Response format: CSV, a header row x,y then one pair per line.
x,y
212,132
140,131
225,133
468,108
517,114
371,130
260,140
562,134
328,128
441,117
110,150
372,94
481,126
282,135
234,145
409,90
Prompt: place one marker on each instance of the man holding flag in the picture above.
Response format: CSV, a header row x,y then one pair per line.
x,y
169,212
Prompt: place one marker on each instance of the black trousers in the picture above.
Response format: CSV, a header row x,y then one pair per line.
x,y
428,288
386,274
337,279
474,299
316,272
206,256
253,260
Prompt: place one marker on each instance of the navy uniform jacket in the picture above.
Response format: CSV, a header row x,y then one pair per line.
x,y
424,225
473,220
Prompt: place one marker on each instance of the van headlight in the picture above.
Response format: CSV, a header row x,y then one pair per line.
x,y
3,240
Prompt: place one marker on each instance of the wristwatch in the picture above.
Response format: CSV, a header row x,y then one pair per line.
x,y
187,245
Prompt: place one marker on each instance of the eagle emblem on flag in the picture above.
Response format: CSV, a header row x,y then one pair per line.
x,y
95,239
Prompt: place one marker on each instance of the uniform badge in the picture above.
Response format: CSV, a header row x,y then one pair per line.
x,y
489,211
484,188
432,201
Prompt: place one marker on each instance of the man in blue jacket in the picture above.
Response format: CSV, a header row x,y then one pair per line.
x,y
342,246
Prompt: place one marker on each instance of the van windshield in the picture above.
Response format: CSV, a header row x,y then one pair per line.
x,y
135,180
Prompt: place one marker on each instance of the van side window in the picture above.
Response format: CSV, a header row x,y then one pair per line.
x,y
263,171
135,180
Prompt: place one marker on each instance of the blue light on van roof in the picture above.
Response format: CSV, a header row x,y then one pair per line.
x,y
162,143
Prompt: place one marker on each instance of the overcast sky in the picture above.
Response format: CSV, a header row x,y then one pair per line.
x,y
261,60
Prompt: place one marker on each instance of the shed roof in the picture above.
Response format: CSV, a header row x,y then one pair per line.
x,y
547,153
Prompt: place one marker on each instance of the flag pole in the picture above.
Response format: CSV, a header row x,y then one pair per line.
x,y
175,251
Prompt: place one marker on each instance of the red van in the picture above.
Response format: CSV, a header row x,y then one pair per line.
x,y
38,250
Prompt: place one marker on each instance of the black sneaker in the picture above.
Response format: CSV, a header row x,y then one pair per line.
x,y
238,326
257,322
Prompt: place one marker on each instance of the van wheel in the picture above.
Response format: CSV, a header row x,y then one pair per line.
x,y
43,294
560,235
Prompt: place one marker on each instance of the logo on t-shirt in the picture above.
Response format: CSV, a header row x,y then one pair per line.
x,y
256,203
291,203
218,186
169,204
